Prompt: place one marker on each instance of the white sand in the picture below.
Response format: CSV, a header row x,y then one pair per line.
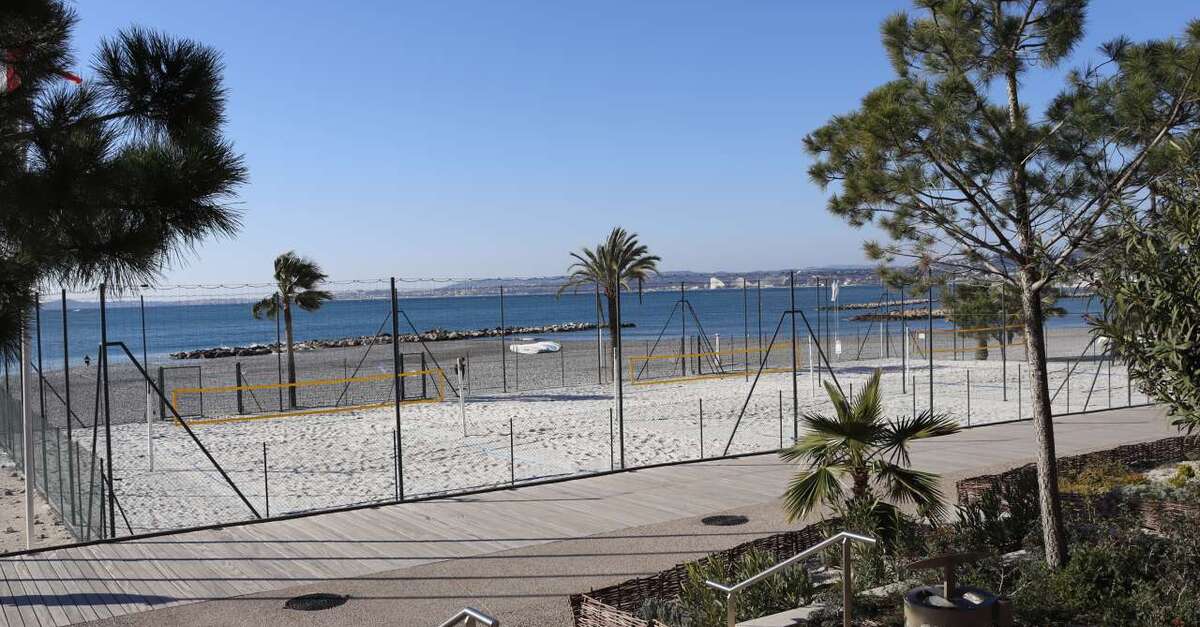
x,y
330,460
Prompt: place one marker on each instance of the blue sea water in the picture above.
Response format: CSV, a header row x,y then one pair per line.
x,y
172,327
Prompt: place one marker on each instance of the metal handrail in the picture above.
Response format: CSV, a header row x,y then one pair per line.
x,y
471,617
843,537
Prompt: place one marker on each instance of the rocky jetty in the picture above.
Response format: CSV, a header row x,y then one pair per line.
x,y
909,314
432,335
876,304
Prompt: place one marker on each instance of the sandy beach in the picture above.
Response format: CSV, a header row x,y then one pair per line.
x,y
523,417
334,459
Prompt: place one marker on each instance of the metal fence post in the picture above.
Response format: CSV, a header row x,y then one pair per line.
x,y
1004,341
512,454
780,418
612,464
397,392
1019,395
41,379
795,384
503,357
1109,385
162,403
1070,370
27,431
914,395
266,484
424,378
67,402
701,428
112,521
968,398
103,510
237,382
1128,387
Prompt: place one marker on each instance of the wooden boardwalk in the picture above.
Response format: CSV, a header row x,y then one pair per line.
x,y
89,583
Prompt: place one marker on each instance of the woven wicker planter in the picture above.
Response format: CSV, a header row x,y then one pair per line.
x,y
618,605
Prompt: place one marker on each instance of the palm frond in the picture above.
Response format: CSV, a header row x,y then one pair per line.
x,y
311,300
895,437
905,485
267,307
809,489
612,264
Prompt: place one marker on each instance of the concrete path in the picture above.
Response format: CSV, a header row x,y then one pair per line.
x,y
515,553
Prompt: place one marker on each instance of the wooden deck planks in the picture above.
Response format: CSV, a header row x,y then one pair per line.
x,y
245,559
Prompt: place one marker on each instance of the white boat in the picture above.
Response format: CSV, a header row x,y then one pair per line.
x,y
534,348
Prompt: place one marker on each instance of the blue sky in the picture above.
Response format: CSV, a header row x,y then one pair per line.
x,y
489,138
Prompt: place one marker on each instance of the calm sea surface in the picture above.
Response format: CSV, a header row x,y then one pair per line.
x,y
171,327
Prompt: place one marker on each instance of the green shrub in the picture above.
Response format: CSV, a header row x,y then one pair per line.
x,y
1000,520
1100,478
669,612
705,607
1184,473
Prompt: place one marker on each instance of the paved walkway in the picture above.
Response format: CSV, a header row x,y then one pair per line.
x,y
516,553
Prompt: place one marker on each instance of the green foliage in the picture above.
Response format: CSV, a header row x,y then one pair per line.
x,y
859,446
612,266
958,172
1001,519
297,283
1098,479
705,607
1150,284
992,307
1183,475
668,612
112,179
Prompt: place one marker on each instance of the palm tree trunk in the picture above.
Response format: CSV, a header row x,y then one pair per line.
x,y
614,333
291,354
859,489
1043,425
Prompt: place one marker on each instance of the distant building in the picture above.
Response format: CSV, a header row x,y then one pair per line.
x,y
715,284
739,282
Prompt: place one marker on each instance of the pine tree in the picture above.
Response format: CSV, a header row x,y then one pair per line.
x,y
109,177
951,162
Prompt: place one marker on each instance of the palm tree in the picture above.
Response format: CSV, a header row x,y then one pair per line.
x,y
860,447
612,266
297,279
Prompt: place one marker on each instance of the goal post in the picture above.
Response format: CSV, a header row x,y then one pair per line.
x,y
316,397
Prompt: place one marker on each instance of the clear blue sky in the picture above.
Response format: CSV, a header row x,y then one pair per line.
x,y
488,138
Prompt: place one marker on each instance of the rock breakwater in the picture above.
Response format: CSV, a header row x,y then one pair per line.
x,y
432,335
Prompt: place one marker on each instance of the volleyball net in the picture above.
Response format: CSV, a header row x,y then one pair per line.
x,y
240,403
715,364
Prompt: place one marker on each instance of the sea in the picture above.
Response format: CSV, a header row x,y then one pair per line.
x,y
162,327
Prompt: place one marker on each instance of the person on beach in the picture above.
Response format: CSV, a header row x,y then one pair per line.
x,y
87,360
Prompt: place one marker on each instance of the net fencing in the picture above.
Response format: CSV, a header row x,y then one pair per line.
x,y
500,383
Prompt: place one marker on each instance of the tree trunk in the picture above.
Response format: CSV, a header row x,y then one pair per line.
x,y
1043,424
614,331
981,347
1035,341
861,479
291,355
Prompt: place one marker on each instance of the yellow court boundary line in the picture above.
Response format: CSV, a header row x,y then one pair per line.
x,y
437,383
702,377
